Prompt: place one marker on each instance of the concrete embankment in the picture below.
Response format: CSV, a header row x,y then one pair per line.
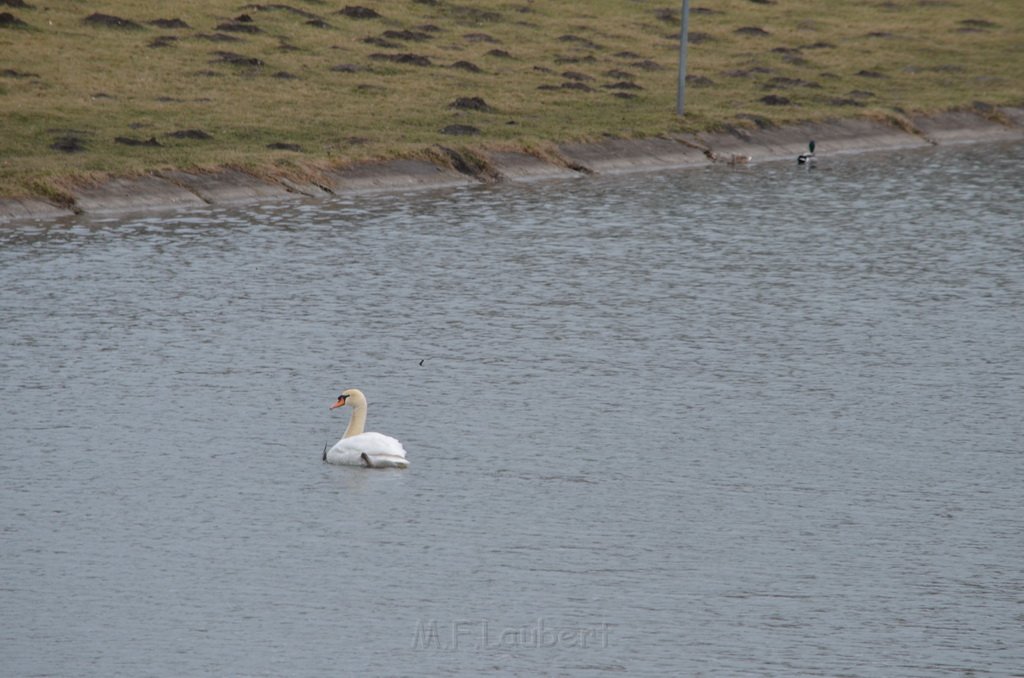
x,y
179,189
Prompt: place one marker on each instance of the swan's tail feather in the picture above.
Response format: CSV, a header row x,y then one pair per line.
x,y
390,461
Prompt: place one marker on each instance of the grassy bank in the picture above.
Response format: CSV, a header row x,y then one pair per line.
x,y
90,87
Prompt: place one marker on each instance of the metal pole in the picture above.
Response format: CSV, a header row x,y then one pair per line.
x,y
684,32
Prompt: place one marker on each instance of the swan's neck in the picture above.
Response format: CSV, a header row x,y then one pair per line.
x,y
357,422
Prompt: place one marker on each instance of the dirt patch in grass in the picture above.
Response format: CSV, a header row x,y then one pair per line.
x,y
239,27
110,21
168,23
668,15
236,59
283,8
647,65
132,141
620,75
460,130
576,75
479,37
69,143
412,59
406,35
217,37
469,15
189,134
8,20
699,81
748,72
471,104
578,86
622,85
11,73
580,41
358,12
378,41
978,24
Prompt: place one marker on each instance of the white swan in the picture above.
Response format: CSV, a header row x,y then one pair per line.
x,y
375,450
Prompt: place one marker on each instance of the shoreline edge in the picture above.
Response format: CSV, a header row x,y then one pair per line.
x,y
165,190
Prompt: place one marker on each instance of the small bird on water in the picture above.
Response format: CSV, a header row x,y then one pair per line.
x,y
808,157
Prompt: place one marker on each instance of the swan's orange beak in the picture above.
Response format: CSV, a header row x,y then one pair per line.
x,y
338,403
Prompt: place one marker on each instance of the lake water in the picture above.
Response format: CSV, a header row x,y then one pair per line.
x,y
722,422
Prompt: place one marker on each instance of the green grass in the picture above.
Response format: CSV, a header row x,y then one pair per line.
x,y
62,77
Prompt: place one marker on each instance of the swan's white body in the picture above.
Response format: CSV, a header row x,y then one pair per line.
x,y
382,451
356,448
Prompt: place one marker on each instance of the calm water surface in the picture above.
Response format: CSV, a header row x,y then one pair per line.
x,y
755,422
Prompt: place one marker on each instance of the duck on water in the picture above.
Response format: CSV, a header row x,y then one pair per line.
x,y
808,157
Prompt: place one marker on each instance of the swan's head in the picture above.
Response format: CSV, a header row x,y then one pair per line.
x,y
352,396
